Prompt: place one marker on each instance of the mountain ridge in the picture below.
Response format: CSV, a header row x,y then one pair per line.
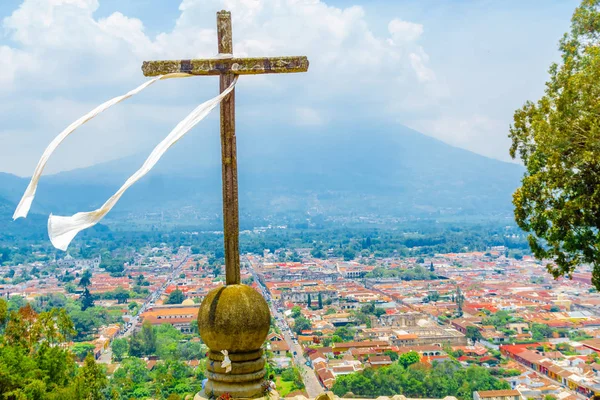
x,y
339,170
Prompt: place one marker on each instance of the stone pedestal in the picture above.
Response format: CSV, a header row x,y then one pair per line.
x,y
271,395
246,378
235,318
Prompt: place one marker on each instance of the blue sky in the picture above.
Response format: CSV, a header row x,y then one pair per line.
x,y
454,70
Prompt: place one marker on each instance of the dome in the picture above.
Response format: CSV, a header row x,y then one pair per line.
x,y
188,302
235,318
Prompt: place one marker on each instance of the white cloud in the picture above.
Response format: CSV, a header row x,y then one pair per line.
x,y
338,40
477,133
11,62
404,31
418,62
59,48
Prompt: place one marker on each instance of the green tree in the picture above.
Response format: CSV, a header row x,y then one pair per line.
x,y
302,324
36,364
121,295
81,350
87,300
460,299
296,311
148,338
391,354
320,300
474,333
190,350
409,358
317,253
91,380
558,140
345,333
175,297
136,345
133,307
349,254
433,295
86,278
70,288
418,381
119,347
540,331
3,313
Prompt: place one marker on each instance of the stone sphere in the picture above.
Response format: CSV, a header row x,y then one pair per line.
x,y
235,318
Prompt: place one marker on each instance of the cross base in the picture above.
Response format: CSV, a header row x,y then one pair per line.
x,y
245,380
270,395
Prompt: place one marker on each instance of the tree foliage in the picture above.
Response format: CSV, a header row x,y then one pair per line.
x,y
541,331
86,278
474,333
175,297
35,364
120,348
87,300
302,324
296,311
558,140
409,358
418,381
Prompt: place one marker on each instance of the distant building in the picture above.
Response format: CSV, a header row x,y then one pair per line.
x,y
379,361
428,336
497,395
68,262
180,316
279,348
406,319
300,295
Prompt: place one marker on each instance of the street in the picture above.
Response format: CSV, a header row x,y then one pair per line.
x,y
312,384
130,327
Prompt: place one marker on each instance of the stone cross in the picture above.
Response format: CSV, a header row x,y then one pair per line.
x,y
227,68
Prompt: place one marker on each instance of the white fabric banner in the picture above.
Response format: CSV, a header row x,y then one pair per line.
x,y
25,204
63,229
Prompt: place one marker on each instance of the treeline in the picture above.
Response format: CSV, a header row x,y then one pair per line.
x,y
35,364
164,342
423,238
86,320
172,376
411,274
419,381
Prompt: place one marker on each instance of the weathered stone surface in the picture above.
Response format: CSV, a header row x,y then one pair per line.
x,y
236,378
271,395
237,368
235,318
325,396
243,390
236,357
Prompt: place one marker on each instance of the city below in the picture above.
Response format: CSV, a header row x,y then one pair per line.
x,y
335,322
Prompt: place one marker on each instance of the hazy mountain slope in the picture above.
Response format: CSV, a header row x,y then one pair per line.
x,y
34,226
342,170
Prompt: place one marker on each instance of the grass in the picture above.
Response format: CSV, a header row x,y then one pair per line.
x,y
284,387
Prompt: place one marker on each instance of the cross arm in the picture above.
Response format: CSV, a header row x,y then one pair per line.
x,y
237,66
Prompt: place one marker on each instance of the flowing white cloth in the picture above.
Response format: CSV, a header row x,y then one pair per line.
x,y
63,229
25,204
